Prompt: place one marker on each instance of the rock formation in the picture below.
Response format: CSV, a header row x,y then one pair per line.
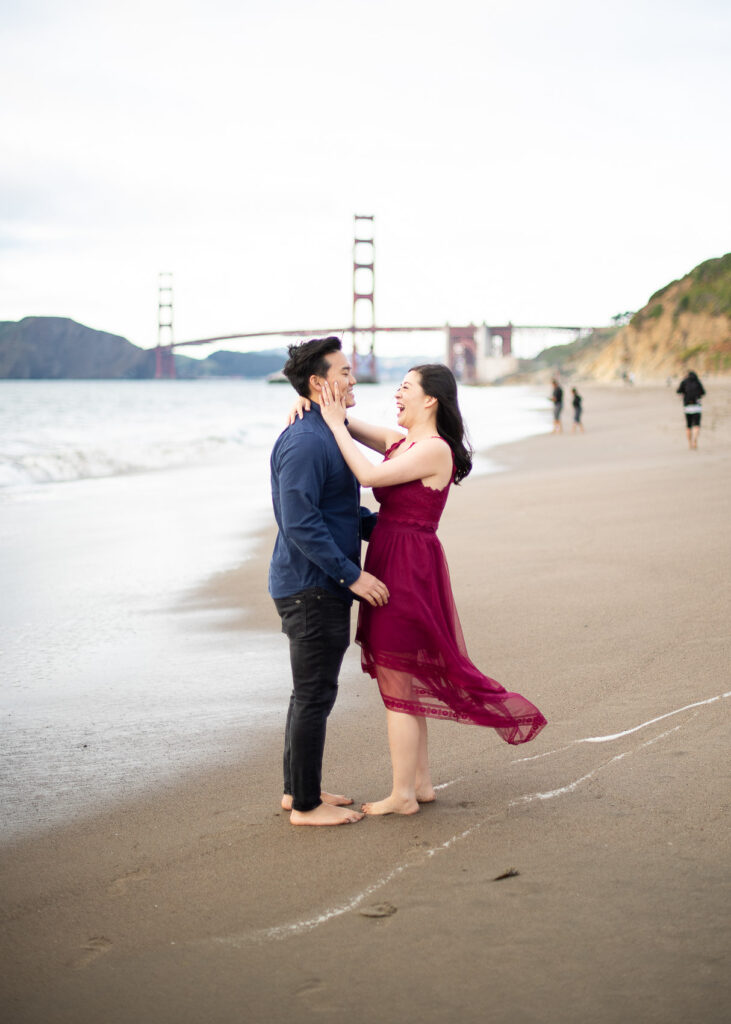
x,y
686,325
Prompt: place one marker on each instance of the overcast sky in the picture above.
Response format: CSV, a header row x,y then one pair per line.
x,y
527,161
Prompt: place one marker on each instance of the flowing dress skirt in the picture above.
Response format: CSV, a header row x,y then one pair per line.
x,y
414,646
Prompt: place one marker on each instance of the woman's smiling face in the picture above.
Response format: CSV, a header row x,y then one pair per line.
x,y
409,398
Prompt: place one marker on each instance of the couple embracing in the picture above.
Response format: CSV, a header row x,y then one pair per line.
x,y
408,629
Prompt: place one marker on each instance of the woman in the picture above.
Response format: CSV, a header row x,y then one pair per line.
x,y
413,646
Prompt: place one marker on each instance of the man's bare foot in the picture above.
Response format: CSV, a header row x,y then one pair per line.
x,y
392,805
325,814
425,794
334,799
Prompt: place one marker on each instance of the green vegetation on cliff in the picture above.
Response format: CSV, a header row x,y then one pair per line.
x,y
706,289
710,288
685,324
565,356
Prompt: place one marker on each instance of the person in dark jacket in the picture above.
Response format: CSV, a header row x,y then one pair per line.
x,y
557,399
576,402
692,391
314,574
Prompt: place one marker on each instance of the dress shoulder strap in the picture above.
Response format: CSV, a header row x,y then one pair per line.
x,y
393,447
401,440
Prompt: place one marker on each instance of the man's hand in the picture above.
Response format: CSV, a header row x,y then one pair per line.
x,y
370,589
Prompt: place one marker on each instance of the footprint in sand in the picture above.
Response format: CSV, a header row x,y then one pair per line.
x,y
314,994
96,946
120,885
378,910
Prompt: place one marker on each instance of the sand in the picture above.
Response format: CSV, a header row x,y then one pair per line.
x,y
592,574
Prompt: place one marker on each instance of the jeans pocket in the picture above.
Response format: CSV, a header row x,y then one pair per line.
x,y
293,613
333,618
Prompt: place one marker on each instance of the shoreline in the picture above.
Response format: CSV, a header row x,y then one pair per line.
x,y
590,575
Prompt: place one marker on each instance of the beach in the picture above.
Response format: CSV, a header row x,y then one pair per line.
x,y
583,877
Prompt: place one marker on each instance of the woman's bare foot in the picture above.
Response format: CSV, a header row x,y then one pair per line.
x,y
334,799
325,814
425,794
392,805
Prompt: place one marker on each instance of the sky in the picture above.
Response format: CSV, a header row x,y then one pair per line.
x,y
532,162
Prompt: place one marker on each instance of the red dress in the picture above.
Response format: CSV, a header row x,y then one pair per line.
x,y
414,646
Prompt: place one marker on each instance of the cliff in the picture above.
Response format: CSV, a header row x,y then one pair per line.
x,y
56,348
685,325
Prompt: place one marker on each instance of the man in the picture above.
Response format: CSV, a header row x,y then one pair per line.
x,y
557,399
314,573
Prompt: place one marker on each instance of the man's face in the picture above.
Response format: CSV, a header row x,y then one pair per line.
x,y
340,372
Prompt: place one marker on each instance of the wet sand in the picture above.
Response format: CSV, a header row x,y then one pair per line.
x,y
591,575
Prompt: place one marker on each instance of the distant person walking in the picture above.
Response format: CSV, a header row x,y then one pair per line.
x,y
692,391
576,402
557,399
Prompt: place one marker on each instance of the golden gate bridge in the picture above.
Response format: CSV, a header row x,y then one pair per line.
x,y
475,353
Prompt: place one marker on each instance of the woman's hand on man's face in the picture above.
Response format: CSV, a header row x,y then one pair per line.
x,y
332,404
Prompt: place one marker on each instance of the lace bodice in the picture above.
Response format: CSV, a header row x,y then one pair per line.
x,y
412,503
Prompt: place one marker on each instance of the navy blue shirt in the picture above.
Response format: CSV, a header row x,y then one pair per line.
x,y
316,502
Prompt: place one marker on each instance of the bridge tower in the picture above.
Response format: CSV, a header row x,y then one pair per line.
x,y
364,260
164,358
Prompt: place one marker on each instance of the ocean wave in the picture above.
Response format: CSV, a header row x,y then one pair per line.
x,y
72,462
65,431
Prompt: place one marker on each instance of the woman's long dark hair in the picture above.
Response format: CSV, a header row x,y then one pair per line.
x,y
438,382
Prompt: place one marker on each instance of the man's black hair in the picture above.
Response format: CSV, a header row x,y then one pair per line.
x,y
308,358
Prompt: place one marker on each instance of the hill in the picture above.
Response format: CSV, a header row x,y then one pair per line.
x,y
232,364
685,325
56,348
566,357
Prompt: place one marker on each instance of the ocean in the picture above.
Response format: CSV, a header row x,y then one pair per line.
x,y
118,500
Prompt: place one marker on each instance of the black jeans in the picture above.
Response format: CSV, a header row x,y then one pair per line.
x,y
317,624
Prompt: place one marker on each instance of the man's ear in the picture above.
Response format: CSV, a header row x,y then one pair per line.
x,y
315,382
